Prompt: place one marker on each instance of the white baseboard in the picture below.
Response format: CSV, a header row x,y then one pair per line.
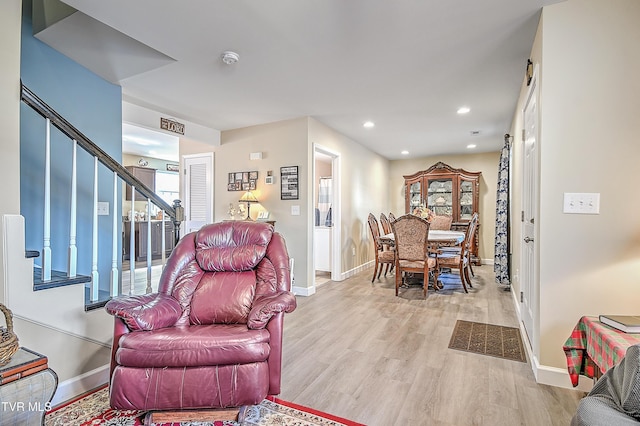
x,y
356,270
544,374
559,377
80,384
303,291
309,291
486,261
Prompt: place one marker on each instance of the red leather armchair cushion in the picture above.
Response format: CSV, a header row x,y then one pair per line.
x,y
223,298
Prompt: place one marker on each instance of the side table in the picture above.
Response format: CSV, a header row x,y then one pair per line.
x,y
27,386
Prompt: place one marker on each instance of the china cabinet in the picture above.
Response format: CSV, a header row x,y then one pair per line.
x,y
446,191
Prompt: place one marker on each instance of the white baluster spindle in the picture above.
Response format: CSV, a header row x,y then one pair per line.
x,y
148,289
46,250
95,277
115,275
73,249
132,242
164,243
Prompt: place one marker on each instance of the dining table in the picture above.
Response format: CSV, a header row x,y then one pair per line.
x,y
435,236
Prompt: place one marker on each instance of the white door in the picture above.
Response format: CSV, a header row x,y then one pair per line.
x,y
198,191
530,208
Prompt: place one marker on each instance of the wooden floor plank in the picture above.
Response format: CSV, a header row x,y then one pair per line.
x,y
355,350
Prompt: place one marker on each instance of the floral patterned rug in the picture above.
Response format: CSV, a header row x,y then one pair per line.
x,y
93,409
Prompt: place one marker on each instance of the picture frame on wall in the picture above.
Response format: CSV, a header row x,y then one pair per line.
x,y
289,185
242,181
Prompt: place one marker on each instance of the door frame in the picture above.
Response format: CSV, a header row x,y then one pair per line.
x,y
336,213
529,285
185,189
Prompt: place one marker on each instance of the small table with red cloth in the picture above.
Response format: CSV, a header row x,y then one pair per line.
x,y
594,345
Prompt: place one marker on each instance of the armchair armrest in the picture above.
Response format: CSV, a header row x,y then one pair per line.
x,y
146,312
267,306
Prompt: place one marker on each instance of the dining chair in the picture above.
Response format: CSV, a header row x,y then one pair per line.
x,y
385,224
460,259
441,223
412,250
382,257
392,217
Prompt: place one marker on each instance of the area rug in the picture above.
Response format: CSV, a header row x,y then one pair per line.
x,y
488,339
93,409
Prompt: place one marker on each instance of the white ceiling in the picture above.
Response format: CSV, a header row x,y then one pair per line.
x,y
407,65
149,143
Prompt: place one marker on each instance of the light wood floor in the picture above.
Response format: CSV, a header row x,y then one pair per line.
x,y
355,350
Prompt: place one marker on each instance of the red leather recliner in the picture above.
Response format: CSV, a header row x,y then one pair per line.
x,y
212,335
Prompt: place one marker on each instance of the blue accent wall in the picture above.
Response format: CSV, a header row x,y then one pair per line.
x,y
93,106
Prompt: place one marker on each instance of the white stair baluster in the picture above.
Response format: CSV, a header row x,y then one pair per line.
x,y
164,243
115,275
46,250
73,249
132,242
148,289
95,277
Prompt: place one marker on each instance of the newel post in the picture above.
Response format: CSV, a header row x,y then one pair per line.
x,y
178,219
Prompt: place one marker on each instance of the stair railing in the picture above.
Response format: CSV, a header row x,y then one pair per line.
x,y
175,211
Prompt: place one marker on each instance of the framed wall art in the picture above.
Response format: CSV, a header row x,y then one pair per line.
x,y
289,185
242,181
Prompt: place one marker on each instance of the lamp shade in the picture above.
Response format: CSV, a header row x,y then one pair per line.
x,y
248,197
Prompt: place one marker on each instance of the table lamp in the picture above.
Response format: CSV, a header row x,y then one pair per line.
x,y
248,198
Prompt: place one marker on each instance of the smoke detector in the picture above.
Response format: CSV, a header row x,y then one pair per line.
x,y
230,57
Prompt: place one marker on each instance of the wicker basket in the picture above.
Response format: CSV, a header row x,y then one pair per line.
x,y
8,339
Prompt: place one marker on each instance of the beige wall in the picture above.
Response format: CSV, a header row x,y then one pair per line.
x,y
364,188
10,18
283,143
487,163
589,103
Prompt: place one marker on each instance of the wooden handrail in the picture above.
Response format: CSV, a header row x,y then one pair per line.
x,y
41,107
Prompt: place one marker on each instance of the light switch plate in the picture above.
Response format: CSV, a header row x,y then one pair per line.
x,y
581,203
103,208
295,210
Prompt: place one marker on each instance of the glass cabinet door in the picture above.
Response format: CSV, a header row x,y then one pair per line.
x,y
440,196
415,195
466,199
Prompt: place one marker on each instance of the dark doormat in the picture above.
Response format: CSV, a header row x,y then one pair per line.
x,y
488,339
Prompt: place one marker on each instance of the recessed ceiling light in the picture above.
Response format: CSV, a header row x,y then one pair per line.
x,y
471,146
463,110
368,124
405,152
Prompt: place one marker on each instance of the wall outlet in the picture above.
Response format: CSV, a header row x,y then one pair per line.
x,y
353,251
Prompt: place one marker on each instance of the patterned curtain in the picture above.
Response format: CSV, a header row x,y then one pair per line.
x,y
502,260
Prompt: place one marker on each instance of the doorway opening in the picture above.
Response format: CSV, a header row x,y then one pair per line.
x,y
326,216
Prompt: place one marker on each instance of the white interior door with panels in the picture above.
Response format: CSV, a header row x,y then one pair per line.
x,y
529,262
198,191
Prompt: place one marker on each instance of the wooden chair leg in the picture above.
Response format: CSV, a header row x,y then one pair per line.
x,y
398,278
471,269
386,269
462,278
468,278
375,270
